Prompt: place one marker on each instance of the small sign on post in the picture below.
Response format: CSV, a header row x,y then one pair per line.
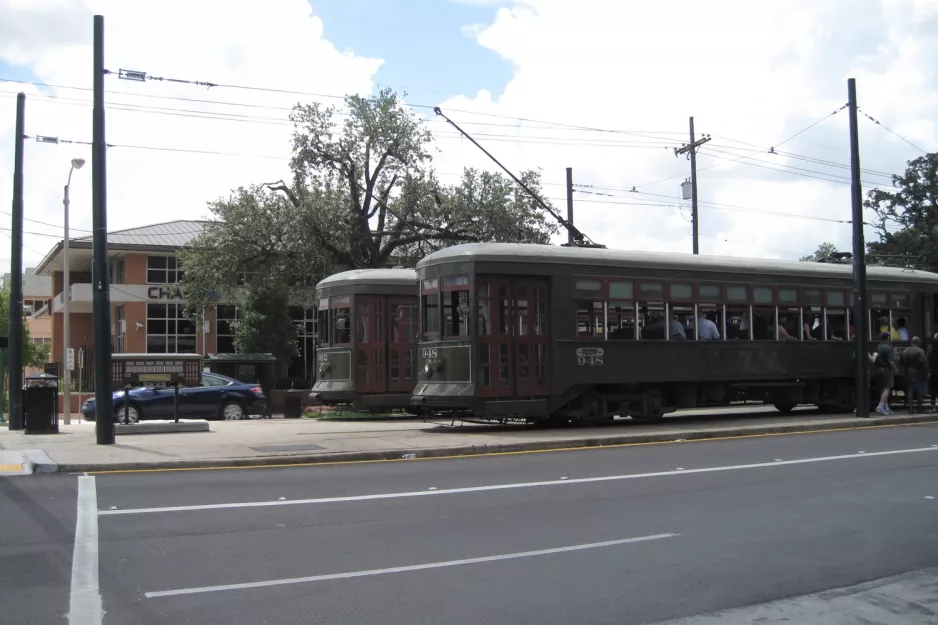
x,y
70,359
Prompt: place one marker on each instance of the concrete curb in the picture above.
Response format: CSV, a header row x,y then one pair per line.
x,y
476,450
160,427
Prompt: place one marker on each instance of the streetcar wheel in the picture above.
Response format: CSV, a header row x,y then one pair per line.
x,y
784,408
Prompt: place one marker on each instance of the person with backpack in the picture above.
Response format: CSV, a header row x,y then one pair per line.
x,y
916,373
884,372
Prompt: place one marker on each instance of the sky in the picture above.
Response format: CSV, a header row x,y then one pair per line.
x,y
605,88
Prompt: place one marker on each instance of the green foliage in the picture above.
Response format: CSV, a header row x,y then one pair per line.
x,y
255,231
824,251
363,193
34,354
264,324
907,217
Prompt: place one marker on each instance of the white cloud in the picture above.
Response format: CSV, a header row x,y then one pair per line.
x,y
277,44
747,71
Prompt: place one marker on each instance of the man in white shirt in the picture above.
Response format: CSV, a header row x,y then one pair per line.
x,y
706,329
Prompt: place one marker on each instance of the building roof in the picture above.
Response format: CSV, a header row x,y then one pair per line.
x,y
396,277
33,286
163,237
170,234
582,257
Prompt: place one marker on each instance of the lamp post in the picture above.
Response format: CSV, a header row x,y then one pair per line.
x,y
77,163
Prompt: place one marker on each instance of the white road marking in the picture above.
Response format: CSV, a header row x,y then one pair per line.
x,y
928,497
478,489
405,569
84,602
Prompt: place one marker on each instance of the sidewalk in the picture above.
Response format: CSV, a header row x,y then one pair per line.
x,y
293,441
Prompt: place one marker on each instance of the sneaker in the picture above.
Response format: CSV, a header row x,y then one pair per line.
x,y
888,411
881,410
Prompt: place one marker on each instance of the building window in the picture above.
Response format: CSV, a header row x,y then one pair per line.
x,y
117,271
224,329
168,330
119,346
163,270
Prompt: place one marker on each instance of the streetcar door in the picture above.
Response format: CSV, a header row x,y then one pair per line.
x,y
511,336
530,335
370,372
402,343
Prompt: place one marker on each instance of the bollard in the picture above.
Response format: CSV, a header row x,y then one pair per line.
x,y
127,404
176,402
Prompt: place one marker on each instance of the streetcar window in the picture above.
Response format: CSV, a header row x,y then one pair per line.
x,y
878,300
341,324
652,290
836,324
621,290
738,322
589,289
620,317
812,297
710,293
763,295
457,313
363,335
787,296
899,300
737,293
682,292
589,318
322,324
789,320
836,298
401,320
763,323
430,315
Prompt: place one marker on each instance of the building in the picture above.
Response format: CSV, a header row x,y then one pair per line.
x,y
147,313
36,291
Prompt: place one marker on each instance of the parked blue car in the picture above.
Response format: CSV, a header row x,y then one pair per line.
x,y
219,397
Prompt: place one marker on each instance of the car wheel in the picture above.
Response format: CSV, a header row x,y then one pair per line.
x,y
133,414
232,411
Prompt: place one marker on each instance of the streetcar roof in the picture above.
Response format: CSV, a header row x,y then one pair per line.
x,y
395,277
598,257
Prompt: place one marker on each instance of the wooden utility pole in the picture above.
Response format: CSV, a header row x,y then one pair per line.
x,y
16,272
691,150
860,315
104,412
570,203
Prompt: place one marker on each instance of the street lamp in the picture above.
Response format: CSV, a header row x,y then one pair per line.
x,y
77,163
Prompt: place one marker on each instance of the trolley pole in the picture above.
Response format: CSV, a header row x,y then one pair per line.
x,y
691,150
570,203
16,272
860,315
104,417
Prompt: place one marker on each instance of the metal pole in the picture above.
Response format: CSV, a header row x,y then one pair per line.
x,y
104,417
570,203
862,379
16,272
66,300
693,189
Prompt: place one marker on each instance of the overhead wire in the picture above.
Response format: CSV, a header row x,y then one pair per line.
x,y
892,132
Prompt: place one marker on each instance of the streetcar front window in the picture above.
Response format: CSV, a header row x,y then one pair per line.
x,y
322,325
340,315
430,309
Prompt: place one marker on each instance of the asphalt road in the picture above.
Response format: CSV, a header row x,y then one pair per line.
x,y
621,535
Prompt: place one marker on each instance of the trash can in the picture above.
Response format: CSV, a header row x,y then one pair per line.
x,y
41,404
293,404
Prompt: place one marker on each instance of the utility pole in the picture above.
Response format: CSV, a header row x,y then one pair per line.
x,y
77,163
691,150
16,272
860,315
570,203
104,408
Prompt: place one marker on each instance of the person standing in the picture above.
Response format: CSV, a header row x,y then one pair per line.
x,y
884,370
933,368
916,372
